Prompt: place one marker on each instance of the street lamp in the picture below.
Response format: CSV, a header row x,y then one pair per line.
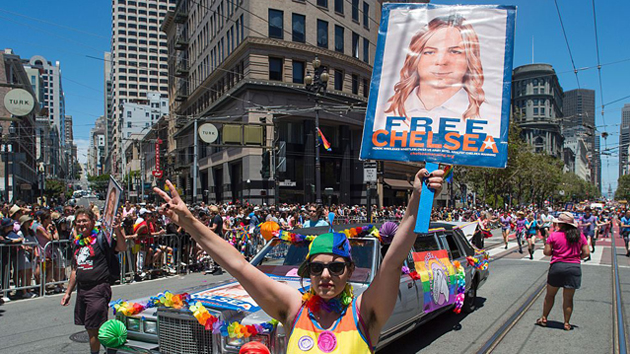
x,y
6,146
317,84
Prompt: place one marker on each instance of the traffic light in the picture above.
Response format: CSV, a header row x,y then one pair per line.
x,y
265,170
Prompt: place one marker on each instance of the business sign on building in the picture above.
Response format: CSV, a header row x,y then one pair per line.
x,y
208,133
19,102
441,85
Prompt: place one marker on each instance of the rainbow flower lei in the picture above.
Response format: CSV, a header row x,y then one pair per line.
x,y
90,239
199,311
360,231
478,264
460,281
314,302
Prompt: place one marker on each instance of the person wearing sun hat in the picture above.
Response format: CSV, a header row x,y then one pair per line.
x,y
328,318
566,246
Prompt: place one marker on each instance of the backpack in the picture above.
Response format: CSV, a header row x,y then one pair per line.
x,y
113,263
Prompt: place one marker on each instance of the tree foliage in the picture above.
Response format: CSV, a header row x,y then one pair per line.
x,y
623,188
99,183
528,178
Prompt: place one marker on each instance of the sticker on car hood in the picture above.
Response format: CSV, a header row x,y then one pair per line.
x,y
232,296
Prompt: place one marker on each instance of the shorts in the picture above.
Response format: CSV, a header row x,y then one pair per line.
x,y
92,305
528,235
565,275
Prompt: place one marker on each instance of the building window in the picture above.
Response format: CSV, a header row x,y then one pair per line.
x,y
275,69
366,50
128,114
355,45
339,6
366,87
366,15
298,72
129,124
276,26
322,3
338,80
355,84
535,111
355,10
299,22
339,39
322,34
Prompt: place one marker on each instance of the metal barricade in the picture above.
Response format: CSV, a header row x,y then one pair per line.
x,y
19,268
153,255
55,264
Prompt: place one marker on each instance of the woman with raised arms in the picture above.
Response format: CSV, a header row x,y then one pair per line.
x,y
342,323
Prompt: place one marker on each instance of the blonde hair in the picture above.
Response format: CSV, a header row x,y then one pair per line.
x,y
473,79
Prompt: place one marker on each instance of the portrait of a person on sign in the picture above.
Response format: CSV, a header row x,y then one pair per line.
x,y
442,75
441,85
114,191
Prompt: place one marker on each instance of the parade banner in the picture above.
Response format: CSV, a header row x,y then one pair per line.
x,y
440,89
437,274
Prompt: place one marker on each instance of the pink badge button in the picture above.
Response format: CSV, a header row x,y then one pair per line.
x,y
327,342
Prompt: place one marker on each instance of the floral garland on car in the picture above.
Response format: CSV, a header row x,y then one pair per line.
x,y
460,282
199,311
359,231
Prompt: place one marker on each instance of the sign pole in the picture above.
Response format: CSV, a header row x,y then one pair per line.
x,y
426,203
195,163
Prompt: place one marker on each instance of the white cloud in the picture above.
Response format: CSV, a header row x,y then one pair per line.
x,y
82,149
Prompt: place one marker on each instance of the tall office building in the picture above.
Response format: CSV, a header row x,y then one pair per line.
x,y
54,99
139,59
537,100
231,58
108,121
624,140
579,111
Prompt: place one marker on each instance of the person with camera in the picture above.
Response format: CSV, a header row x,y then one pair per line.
x,y
94,268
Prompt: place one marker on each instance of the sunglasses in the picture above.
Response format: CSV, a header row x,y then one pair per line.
x,y
334,268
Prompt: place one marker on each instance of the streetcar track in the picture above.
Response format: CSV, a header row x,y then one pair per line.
x,y
501,332
619,332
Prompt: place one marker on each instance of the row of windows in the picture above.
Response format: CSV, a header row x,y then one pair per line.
x,y
298,33
144,3
139,34
276,66
339,8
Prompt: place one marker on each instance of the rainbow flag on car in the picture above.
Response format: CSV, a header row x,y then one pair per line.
x,y
323,140
437,274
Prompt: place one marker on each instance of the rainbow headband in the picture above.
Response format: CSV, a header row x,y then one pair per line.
x,y
199,311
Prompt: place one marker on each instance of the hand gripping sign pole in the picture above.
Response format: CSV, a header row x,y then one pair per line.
x,y
440,89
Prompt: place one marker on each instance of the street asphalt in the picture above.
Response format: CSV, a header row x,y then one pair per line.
x,y
42,325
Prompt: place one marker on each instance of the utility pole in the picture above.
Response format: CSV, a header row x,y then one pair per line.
x,y
195,161
318,166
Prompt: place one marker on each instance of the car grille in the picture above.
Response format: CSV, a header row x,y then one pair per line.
x,y
180,332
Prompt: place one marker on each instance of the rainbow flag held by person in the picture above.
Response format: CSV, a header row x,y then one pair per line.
x,y
448,173
437,274
323,140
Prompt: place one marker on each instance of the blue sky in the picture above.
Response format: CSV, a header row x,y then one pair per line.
x,y
71,31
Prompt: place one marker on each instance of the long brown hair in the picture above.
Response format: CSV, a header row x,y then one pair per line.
x,y
409,78
570,232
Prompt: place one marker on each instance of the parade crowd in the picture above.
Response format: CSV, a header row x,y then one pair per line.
x,y
36,241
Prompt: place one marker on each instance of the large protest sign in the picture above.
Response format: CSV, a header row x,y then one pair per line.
x,y
440,88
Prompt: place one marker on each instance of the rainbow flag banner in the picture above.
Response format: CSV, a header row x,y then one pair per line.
x,y
323,140
438,279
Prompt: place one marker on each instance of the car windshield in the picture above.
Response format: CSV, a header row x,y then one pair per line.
x,y
283,259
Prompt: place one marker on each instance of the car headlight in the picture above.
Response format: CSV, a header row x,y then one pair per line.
x,y
133,324
150,327
263,338
235,342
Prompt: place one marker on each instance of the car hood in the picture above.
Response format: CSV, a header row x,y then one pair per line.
x,y
230,298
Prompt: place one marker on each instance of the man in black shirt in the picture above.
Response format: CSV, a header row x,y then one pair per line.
x,y
216,224
91,274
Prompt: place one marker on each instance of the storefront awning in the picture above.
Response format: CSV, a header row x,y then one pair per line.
x,y
397,183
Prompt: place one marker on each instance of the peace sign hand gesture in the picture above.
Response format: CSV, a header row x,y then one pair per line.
x,y
174,208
